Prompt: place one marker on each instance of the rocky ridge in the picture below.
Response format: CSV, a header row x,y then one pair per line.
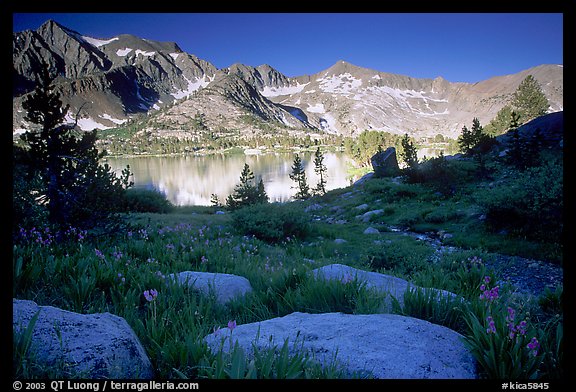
x,y
115,78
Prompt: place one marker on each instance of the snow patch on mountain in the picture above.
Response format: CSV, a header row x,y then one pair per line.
x,y
106,116
339,84
174,56
192,87
316,108
268,91
86,123
123,52
98,42
144,53
328,123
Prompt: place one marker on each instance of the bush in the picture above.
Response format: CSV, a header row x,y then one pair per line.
x,y
530,204
272,222
146,200
27,211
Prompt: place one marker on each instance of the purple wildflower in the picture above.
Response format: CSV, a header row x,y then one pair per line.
x,y
521,328
150,295
533,346
99,254
491,326
490,294
231,325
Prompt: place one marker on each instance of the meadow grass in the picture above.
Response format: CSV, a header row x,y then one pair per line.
x,y
110,273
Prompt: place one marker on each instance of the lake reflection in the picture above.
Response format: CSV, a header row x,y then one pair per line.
x,y
191,180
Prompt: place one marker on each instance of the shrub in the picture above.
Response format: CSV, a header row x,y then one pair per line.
x,y
146,200
27,211
530,204
272,222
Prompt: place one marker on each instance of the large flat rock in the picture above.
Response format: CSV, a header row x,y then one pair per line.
x,y
225,287
90,346
385,346
392,286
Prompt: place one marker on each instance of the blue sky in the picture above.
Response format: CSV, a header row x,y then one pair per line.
x,y
461,47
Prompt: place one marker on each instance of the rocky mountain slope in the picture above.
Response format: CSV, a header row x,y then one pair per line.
x,y
107,81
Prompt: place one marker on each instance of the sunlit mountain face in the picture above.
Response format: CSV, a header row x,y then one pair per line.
x,y
116,79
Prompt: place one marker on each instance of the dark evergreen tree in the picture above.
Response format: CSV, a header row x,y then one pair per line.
x,y
320,169
477,132
215,201
533,148
465,142
529,101
298,175
499,124
246,193
261,195
409,155
514,156
74,187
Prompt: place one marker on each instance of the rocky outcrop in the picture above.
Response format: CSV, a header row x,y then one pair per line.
x,y
343,99
383,346
550,128
365,217
225,287
393,287
385,163
110,79
348,99
77,345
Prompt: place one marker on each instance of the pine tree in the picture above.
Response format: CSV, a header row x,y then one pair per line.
x,y
533,149
529,101
515,152
409,155
465,140
499,124
261,195
320,169
214,200
76,189
476,133
299,176
245,193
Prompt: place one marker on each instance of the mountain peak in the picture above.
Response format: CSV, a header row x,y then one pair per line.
x,y
342,67
342,64
50,26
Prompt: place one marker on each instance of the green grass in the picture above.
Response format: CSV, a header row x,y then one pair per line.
x,y
110,274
